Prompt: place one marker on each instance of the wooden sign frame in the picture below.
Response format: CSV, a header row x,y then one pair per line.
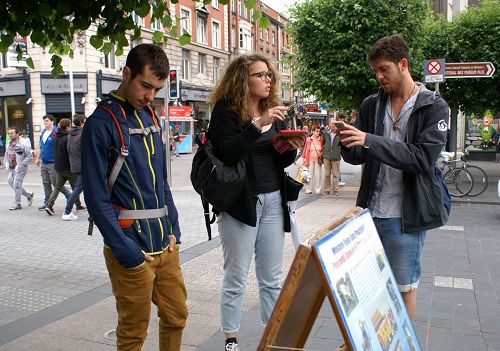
x,y
346,262
301,297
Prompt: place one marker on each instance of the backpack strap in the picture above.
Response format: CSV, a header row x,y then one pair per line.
x,y
124,148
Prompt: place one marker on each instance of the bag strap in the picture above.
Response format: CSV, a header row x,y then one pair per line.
x,y
312,142
208,221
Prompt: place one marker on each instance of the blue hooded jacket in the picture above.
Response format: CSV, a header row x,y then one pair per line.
x,y
47,147
141,183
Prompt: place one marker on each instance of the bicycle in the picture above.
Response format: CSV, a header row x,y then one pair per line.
x,y
479,176
459,180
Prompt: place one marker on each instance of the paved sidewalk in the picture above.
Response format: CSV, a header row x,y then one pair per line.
x,y
458,300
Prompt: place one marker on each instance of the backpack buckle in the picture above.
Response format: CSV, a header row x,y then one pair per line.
x,y
124,152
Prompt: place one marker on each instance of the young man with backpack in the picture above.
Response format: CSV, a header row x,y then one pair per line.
x,y
126,191
398,137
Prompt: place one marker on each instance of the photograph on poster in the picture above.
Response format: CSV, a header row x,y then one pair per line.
x,y
362,288
346,293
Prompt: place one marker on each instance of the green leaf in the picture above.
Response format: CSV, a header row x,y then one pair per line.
x,y
264,23
224,2
185,39
29,62
122,40
250,4
143,10
166,21
174,32
206,2
44,10
96,41
119,51
158,36
107,47
257,15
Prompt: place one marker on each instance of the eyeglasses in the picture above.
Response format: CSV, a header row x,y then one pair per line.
x,y
263,75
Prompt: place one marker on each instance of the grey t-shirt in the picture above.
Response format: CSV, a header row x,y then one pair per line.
x,y
387,198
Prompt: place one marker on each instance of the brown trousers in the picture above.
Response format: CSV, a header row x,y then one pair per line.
x,y
160,281
329,167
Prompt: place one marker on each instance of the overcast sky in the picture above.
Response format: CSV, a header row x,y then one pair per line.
x,y
279,5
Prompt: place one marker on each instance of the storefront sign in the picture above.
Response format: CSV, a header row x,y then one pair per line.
x,y
12,88
13,62
61,85
195,95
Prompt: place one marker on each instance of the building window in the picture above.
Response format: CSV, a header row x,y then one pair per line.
x,y
267,35
137,19
242,8
215,4
261,34
201,63
215,35
155,24
246,10
245,39
216,68
186,20
273,38
110,59
233,37
3,60
201,30
185,64
233,6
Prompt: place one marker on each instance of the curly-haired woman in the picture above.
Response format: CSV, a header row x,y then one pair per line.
x,y
246,117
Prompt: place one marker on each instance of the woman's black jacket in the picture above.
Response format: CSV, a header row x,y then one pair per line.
x,y
233,142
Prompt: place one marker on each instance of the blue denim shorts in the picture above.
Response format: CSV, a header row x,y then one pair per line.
x,y
403,250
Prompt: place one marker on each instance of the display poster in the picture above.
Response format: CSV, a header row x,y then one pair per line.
x,y
363,288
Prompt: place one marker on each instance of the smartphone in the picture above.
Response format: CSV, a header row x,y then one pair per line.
x,y
339,125
290,133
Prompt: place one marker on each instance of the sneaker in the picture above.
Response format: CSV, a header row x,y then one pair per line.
x,y
232,346
49,210
16,207
81,208
69,217
341,183
308,192
42,208
30,199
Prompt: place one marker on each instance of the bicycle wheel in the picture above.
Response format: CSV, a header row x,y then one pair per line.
x,y
459,182
480,180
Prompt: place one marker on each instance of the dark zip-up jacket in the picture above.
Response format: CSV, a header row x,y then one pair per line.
x,y
423,206
141,183
61,156
234,142
75,150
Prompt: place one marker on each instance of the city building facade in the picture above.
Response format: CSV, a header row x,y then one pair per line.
x,y
218,32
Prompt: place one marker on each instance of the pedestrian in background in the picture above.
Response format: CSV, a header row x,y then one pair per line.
x,y
312,158
176,139
331,157
247,115
399,134
75,161
136,216
62,167
44,158
16,159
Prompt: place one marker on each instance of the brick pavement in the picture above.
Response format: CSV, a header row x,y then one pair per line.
x,y
78,309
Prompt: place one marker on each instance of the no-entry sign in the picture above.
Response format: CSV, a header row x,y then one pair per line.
x,y
434,71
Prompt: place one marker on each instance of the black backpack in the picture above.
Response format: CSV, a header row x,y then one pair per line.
x,y
218,185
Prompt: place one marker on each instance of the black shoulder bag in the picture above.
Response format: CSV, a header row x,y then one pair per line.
x,y
219,185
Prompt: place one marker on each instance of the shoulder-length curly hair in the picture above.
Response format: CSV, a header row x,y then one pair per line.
x,y
233,87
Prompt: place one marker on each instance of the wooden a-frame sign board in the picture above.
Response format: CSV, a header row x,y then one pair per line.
x,y
369,311
301,296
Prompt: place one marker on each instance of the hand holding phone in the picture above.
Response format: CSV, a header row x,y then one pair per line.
x,y
339,124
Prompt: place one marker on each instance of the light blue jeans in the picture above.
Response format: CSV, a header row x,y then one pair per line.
x,y
239,242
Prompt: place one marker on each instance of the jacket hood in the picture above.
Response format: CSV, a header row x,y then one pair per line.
x,y
61,132
75,131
